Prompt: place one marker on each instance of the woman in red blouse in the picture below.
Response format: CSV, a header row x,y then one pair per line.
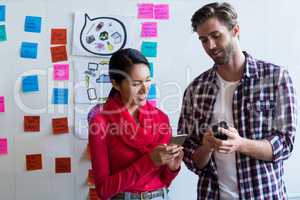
x,y
129,138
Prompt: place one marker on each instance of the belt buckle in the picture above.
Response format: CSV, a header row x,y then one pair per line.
x,y
146,195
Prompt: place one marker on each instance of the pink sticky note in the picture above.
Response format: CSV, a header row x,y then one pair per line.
x,y
145,11
2,104
153,102
61,72
3,146
161,11
149,29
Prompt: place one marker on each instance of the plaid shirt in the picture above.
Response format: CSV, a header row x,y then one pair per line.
x,y
263,107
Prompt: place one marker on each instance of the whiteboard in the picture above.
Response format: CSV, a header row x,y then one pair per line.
x,y
269,31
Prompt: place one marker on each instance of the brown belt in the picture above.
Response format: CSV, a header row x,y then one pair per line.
x,y
142,195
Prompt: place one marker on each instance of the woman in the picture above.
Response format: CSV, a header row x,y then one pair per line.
x,y
129,138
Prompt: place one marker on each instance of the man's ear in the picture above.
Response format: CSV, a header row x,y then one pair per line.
x,y
115,85
236,31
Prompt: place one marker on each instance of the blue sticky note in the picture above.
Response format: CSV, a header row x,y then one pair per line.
x,y
149,49
32,24
30,83
2,33
2,13
152,92
60,96
151,70
29,50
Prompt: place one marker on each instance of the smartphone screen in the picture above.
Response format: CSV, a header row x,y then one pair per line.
x,y
178,139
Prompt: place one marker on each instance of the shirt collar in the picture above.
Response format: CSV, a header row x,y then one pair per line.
x,y
250,70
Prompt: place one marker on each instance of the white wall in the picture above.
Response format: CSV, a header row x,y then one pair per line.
x,y
270,30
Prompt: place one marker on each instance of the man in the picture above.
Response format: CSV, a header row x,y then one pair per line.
x,y
255,98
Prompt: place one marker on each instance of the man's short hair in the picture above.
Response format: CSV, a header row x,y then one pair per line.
x,y
224,12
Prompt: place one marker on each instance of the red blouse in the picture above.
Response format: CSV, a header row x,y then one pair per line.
x,y
120,158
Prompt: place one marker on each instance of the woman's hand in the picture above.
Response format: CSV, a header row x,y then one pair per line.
x,y
170,155
175,163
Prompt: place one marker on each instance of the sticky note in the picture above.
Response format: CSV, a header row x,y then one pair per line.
x,y
149,49
61,72
152,92
30,83
151,66
90,179
2,13
60,96
63,165
145,11
2,104
3,36
149,29
93,194
58,36
31,123
34,162
161,11
60,125
29,50
59,53
3,146
33,24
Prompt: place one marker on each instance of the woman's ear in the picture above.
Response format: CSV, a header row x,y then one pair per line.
x,y
115,85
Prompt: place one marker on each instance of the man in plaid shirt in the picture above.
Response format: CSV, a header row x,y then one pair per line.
x,y
257,101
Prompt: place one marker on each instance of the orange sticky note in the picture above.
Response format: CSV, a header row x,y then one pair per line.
x,y
58,36
59,53
90,180
34,162
93,194
31,123
60,125
63,165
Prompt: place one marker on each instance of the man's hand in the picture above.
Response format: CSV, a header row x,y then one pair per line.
x,y
232,144
209,141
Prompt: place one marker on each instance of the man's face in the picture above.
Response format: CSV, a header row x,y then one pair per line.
x,y
217,40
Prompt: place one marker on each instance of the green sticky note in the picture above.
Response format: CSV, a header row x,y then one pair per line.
x,y
149,49
2,33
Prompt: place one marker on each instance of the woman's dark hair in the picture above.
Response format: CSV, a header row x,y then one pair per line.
x,y
121,62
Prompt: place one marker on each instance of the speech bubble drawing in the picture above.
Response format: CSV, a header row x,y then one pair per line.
x,y
103,35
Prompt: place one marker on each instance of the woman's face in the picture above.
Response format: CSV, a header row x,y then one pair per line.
x,y
134,90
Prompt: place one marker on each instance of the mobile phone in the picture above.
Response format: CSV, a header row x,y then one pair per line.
x,y
218,134
178,139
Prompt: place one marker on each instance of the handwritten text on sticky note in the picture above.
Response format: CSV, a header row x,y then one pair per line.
x,y
33,24
149,29
59,36
61,72
60,125
145,11
59,53
34,162
29,50
2,104
31,123
3,146
63,165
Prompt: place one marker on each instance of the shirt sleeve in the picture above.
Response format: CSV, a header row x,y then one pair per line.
x,y
167,175
283,137
186,125
107,184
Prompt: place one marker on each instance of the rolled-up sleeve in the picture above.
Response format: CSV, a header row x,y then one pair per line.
x,y
282,139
